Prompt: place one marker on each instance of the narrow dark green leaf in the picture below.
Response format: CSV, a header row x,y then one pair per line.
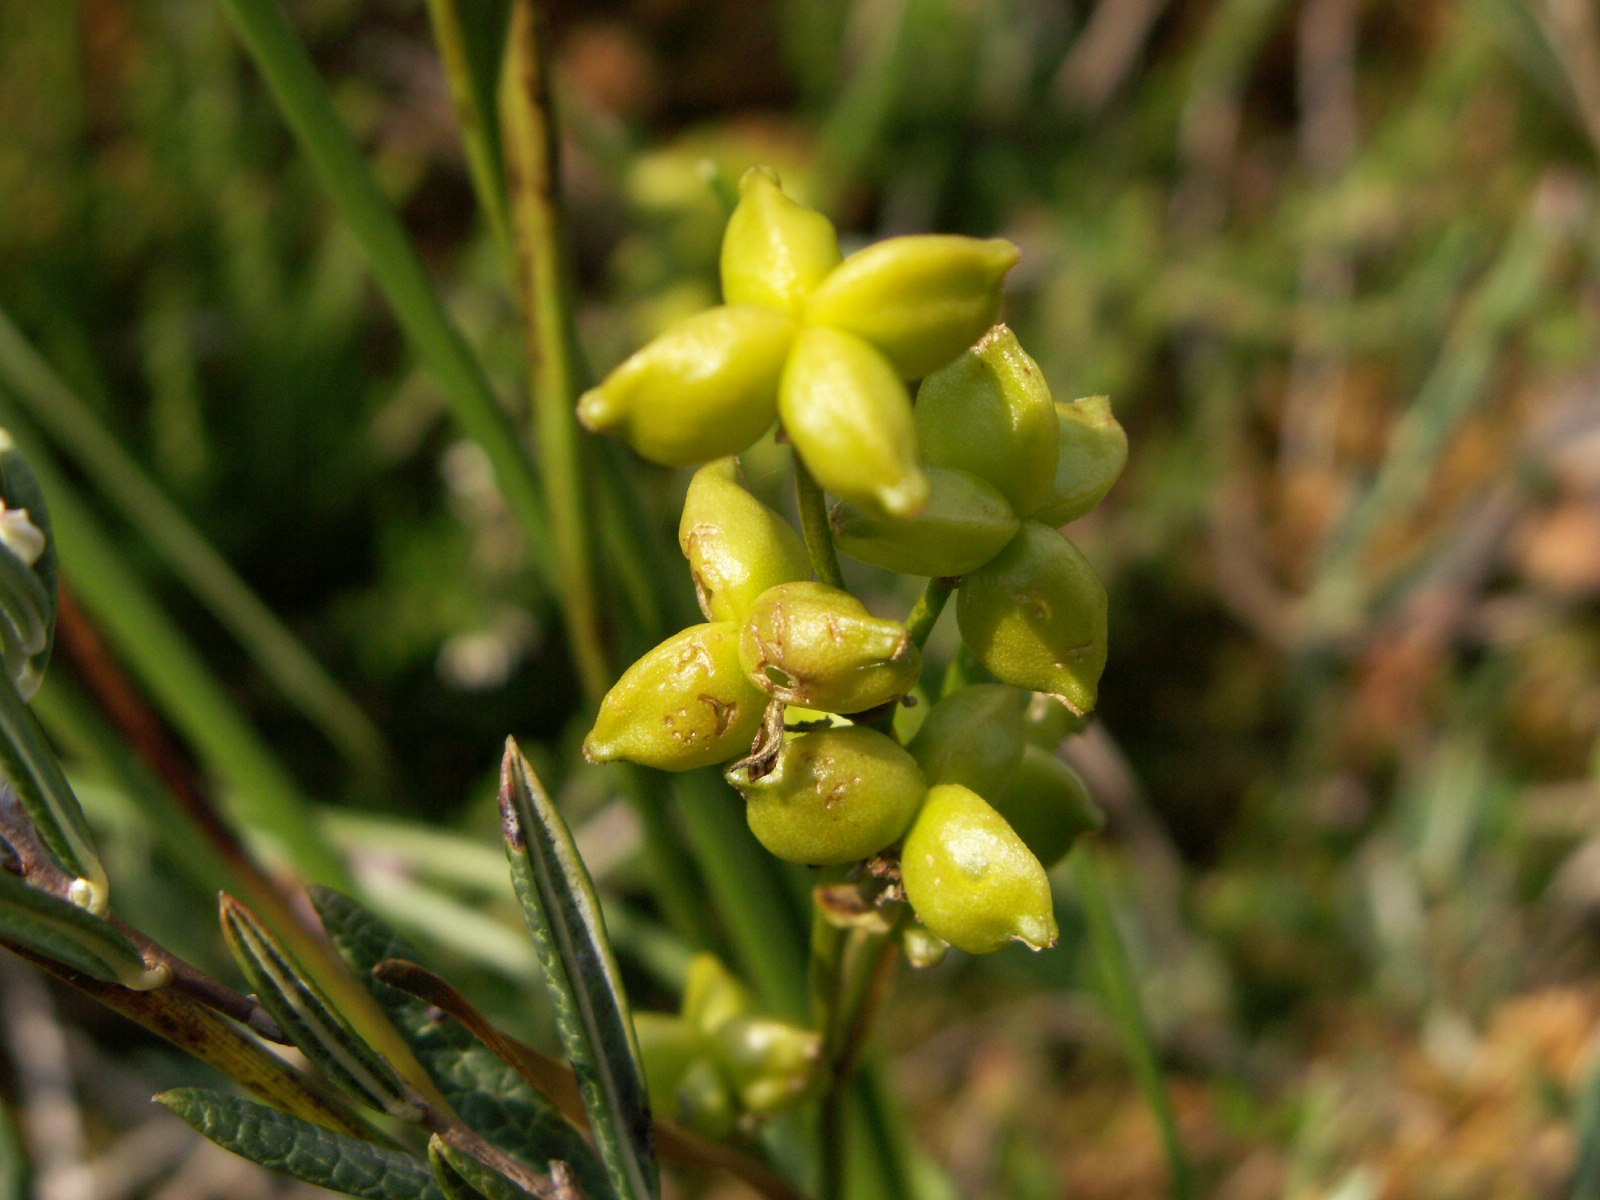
x,y
487,1094
481,1179
450,1182
60,930
581,976
308,1152
37,780
304,1013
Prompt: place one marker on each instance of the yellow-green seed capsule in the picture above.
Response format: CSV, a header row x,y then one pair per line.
x,y
966,523
774,250
971,879
1035,616
704,389
1093,451
668,1045
810,644
835,796
849,417
687,703
973,737
990,412
711,995
1047,804
770,1063
737,547
921,300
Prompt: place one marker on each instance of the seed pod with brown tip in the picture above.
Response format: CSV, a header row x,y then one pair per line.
x,y
813,645
834,796
990,412
971,879
1035,616
687,703
737,547
1092,453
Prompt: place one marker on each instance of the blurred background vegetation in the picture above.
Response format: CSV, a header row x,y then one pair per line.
x,y
1335,261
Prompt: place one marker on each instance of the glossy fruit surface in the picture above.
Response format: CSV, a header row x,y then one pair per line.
x,y
813,645
835,796
849,417
990,412
1093,451
971,879
920,300
737,547
774,250
965,523
685,704
706,388
1047,804
973,737
1035,616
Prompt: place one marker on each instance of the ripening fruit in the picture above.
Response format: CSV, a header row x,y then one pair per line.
x,y
687,703
817,646
770,1063
711,994
1093,451
990,412
920,300
704,389
971,879
1035,616
1047,804
774,250
835,796
973,737
849,417
966,523
737,547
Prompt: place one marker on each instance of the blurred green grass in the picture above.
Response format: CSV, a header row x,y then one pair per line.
x,y
1335,263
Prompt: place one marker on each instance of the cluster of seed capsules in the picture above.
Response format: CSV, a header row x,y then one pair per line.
x,y
794,682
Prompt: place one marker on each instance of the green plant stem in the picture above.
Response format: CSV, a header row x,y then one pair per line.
x,y
925,615
61,413
394,261
814,525
475,116
550,339
1122,997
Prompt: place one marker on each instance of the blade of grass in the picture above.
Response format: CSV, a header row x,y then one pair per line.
x,y
395,263
549,339
64,416
1122,997
472,93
